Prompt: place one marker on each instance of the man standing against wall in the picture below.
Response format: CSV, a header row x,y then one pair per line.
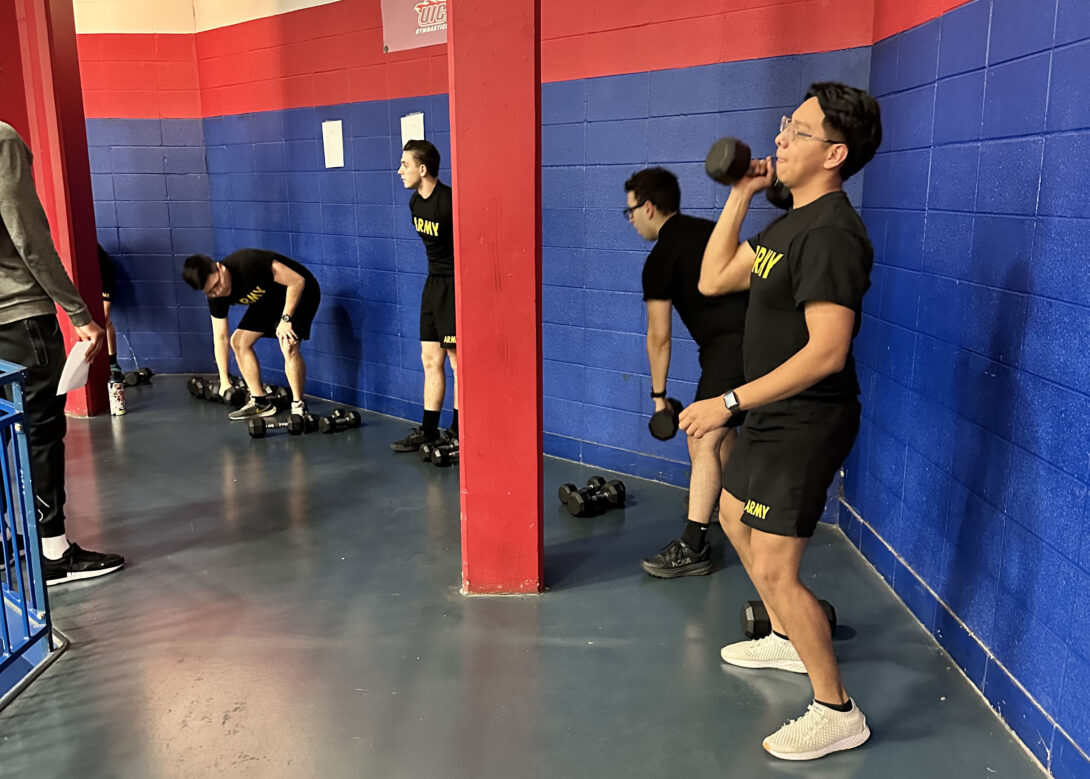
x,y
807,273
670,278
33,282
432,209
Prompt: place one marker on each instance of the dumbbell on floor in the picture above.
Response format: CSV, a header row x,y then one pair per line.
x,y
295,425
597,497
756,623
337,424
426,450
209,389
447,454
138,377
613,490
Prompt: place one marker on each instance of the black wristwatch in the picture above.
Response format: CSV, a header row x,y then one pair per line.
x,y
285,318
731,402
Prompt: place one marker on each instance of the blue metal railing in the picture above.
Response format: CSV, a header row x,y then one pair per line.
x,y
25,631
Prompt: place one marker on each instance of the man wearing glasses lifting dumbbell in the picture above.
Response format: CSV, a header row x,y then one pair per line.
x,y
806,274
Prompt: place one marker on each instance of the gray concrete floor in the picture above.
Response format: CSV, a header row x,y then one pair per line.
x,y
291,609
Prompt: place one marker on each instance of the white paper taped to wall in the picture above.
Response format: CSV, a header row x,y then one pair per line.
x,y
412,128
333,141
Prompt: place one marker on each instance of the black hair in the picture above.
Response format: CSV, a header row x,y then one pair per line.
x,y
657,186
425,153
852,115
197,269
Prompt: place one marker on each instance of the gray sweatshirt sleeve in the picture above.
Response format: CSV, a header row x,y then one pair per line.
x,y
23,216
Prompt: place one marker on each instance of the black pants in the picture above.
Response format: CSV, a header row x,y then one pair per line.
x,y
36,344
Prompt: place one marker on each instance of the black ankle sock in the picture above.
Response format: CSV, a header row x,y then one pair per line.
x,y
694,534
431,421
841,707
454,423
262,401
113,361
781,635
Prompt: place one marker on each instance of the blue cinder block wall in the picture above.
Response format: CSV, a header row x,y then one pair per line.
x,y
152,208
971,470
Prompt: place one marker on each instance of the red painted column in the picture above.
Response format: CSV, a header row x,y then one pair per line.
x,y
495,84
58,137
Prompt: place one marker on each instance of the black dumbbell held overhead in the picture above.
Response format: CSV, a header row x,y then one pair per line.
x,y
756,623
664,423
727,161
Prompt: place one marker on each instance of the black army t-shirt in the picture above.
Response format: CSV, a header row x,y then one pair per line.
x,y
252,279
819,252
433,218
672,272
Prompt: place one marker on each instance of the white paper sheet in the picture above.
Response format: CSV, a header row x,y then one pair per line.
x,y
412,128
74,374
333,141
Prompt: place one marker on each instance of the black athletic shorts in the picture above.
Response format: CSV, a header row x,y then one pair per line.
x,y
437,311
264,315
721,371
106,271
785,459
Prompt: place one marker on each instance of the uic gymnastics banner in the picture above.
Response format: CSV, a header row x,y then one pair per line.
x,y
410,24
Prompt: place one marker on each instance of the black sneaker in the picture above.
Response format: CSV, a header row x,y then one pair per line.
x,y
416,438
679,559
252,410
76,564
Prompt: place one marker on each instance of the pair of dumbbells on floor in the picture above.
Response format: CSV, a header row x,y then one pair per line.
x,y
339,420
209,389
596,498
237,394
442,453
138,377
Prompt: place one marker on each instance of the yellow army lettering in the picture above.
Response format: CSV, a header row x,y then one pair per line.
x,y
758,510
253,297
425,227
765,261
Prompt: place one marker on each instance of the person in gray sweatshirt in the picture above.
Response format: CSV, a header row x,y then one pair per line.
x,y
33,282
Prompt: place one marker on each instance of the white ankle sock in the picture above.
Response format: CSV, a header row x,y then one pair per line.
x,y
54,547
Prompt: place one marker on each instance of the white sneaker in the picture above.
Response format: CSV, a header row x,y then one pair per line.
x,y
768,652
298,408
818,732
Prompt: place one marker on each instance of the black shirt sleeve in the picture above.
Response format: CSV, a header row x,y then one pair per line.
x,y
831,265
658,276
219,307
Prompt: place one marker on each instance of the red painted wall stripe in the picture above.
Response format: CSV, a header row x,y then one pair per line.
x,y
333,53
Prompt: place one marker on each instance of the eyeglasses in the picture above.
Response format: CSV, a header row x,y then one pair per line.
x,y
631,210
788,129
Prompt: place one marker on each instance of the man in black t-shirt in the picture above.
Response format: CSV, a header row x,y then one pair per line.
x,y
670,278
807,273
282,296
432,209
